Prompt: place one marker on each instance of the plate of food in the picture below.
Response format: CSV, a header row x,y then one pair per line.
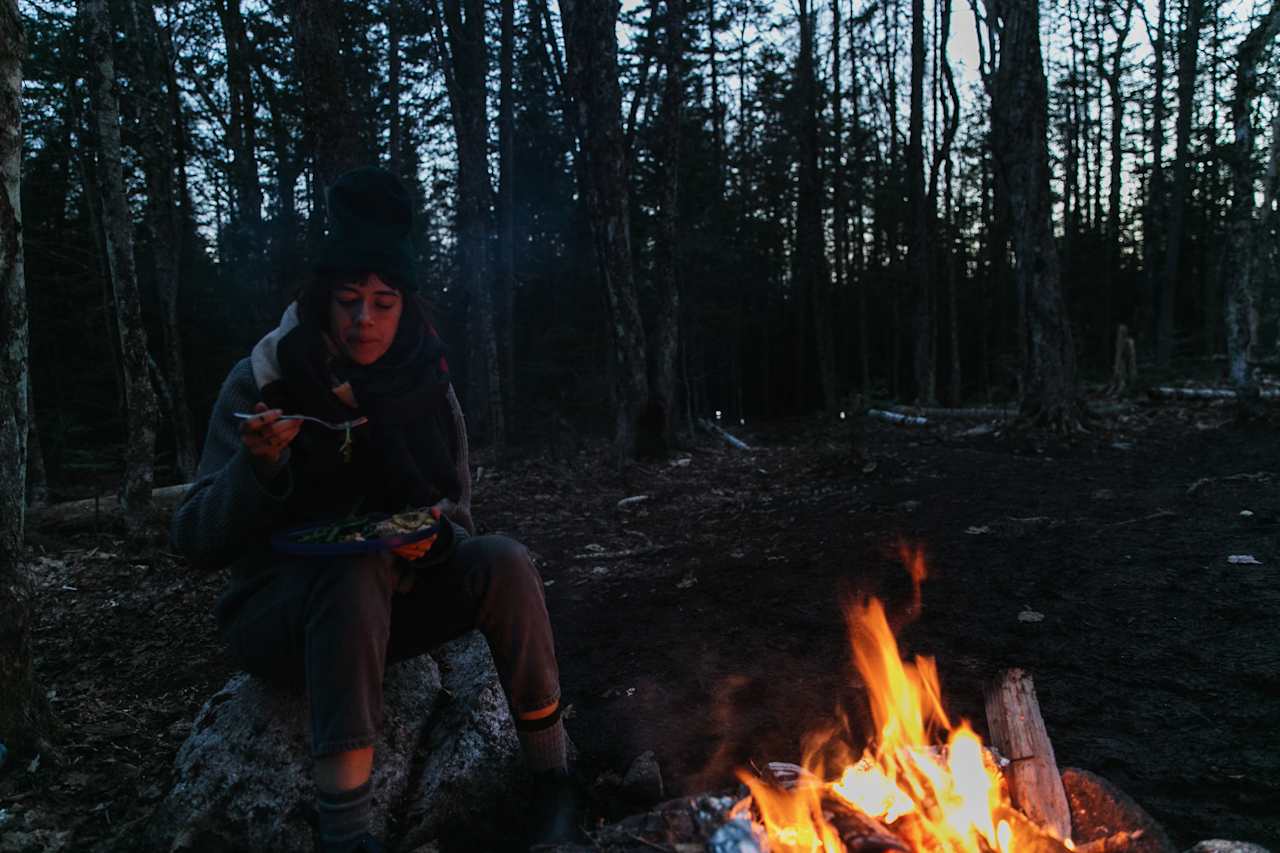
x,y
364,535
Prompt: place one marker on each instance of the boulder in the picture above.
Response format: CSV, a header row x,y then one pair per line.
x,y
447,756
243,777
1099,809
471,777
1223,845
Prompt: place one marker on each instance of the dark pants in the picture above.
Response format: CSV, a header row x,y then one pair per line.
x,y
331,625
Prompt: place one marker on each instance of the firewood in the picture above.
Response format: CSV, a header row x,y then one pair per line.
x,y
1018,732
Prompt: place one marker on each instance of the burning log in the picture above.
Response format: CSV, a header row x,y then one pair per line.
x,y
1018,732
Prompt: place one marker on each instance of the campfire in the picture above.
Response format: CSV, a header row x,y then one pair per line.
x,y
924,783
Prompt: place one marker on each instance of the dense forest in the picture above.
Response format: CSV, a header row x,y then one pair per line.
x,y
634,220
677,208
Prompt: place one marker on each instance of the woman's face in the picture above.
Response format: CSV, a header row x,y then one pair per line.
x,y
363,318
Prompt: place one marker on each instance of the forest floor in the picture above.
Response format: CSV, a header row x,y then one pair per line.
x,y
722,643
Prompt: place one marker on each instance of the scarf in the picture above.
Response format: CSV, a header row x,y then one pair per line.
x,y
402,457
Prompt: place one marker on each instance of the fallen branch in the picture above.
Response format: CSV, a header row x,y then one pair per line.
x,y
1259,477
95,510
731,440
981,413
1168,393
897,418
1160,513
619,555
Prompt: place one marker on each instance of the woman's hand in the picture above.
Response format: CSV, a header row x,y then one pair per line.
x,y
266,436
417,550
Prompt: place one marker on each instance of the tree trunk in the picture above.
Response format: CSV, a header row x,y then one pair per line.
x,y
659,424
329,121
37,489
395,65
812,277
1241,310
21,705
1113,78
840,210
285,261
155,144
246,237
117,220
507,206
1153,214
919,253
462,47
1188,49
591,46
1019,96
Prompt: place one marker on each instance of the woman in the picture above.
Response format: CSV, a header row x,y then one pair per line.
x,y
357,344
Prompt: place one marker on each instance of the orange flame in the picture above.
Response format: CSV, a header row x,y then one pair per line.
x,y
930,781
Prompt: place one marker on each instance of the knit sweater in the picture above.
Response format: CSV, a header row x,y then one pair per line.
x,y
229,510
229,513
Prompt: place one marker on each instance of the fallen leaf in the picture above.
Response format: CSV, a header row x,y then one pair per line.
x,y
1244,560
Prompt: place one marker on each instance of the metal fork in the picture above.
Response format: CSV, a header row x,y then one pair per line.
x,y
341,426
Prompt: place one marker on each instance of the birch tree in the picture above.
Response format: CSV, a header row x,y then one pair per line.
x,y
20,703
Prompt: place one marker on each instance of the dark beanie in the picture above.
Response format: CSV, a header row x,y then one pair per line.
x,y
370,219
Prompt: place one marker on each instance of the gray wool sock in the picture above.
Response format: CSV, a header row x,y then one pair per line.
x,y
342,818
543,748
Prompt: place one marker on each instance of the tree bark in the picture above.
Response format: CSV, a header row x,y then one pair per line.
x,y
284,243
664,345
1241,309
329,121
462,47
1019,96
813,281
117,220
507,206
246,237
37,489
1113,79
395,66
591,46
919,252
21,705
1188,49
155,144
1153,224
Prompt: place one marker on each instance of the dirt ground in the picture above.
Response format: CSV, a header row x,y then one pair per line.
x,y
720,641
